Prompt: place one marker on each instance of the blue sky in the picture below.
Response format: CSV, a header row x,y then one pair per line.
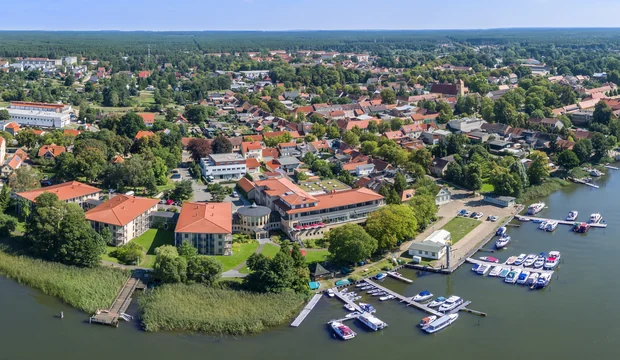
x,y
304,14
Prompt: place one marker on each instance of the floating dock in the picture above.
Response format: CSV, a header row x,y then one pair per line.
x,y
561,222
514,267
405,299
399,277
611,167
123,299
306,310
346,300
583,182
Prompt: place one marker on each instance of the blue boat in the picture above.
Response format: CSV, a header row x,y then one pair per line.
x,y
380,276
367,308
475,267
343,282
501,231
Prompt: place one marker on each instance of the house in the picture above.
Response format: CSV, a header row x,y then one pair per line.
x,y
148,118
70,192
12,128
12,164
318,272
496,129
118,159
552,123
71,132
359,168
206,226
407,195
319,146
288,149
284,165
478,137
503,201
246,188
497,146
252,150
433,247
457,89
127,217
433,137
396,136
50,152
143,133
270,154
465,125
443,196
40,114
439,166
252,165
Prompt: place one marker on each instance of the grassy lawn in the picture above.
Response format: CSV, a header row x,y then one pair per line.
x,y
459,227
150,240
315,255
146,97
107,256
487,188
270,250
240,254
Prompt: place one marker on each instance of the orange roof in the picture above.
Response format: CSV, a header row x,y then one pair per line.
x,y
272,165
393,134
37,104
340,198
71,132
64,191
287,190
22,154
143,133
205,218
247,146
252,163
287,144
15,161
53,149
270,152
407,194
37,132
254,137
12,125
148,118
320,144
118,159
120,210
245,184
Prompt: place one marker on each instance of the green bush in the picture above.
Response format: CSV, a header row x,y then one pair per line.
x,y
130,253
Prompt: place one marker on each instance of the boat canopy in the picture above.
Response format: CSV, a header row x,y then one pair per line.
x,y
425,293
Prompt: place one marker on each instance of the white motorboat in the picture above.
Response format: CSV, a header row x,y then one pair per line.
x,y
596,173
367,287
502,242
343,331
330,293
530,260
423,296
496,270
451,303
353,314
535,208
427,321
372,322
349,307
522,279
382,293
483,269
511,260
531,280
542,225
540,261
552,260
504,273
362,284
543,280
595,218
441,323
386,297
520,260
356,298
437,302
551,226
367,308
501,231
512,276
572,216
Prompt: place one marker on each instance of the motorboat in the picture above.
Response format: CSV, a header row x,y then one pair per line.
x,y
504,272
542,225
475,267
372,322
483,269
394,273
344,291
531,280
523,277
426,321
495,271
367,287
501,231
349,307
511,260
423,296
490,259
552,260
540,260
380,276
523,218
367,308
512,276
596,173
595,218
441,323
502,242
535,208
572,216
374,291
362,284
342,331
551,226
350,294
543,280
381,293
530,260
356,298
353,314
520,260
581,227
386,297
451,303
437,302
330,293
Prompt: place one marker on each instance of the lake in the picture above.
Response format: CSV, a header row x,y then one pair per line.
x,y
575,317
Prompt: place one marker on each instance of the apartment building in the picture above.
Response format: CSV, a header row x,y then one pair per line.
x,y
224,166
40,114
69,192
206,226
127,217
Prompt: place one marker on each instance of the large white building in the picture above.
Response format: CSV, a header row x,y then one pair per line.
x,y
224,166
40,114
40,63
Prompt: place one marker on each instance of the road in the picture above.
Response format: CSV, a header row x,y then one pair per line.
x,y
201,194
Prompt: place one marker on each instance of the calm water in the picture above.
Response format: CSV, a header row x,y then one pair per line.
x,y
576,317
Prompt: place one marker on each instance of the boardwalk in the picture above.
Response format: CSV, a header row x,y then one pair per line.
x,y
306,310
399,277
405,299
561,222
346,300
530,269
122,301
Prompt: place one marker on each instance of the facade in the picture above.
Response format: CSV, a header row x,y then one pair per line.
x,y
503,201
466,125
443,196
207,227
39,63
69,192
224,166
253,220
40,114
127,217
252,150
433,247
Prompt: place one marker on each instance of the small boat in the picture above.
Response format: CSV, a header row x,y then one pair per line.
x,y
426,321
330,293
523,277
380,276
367,287
502,242
483,269
353,314
490,259
572,216
356,298
373,291
512,276
441,323
535,208
523,218
520,260
475,267
361,285
450,304
422,296
381,293
595,218
344,291
349,307
501,231
394,273
496,270
530,260
350,294
542,225
540,260
511,260
386,297
504,273
552,260
543,281
551,226
343,331
531,280
437,302
126,317
596,173
344,282
371,322
581,228
367,308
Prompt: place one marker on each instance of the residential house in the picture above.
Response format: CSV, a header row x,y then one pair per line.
x,y
288,149
206,226
457,89
552,123
14,163
465,125
143,133
320,146
359,168
252,150
285,165
148,118
406,195
396,136
496,129
70,192
223,166
440,165
50,152
252,165
443,196
12,128
433,137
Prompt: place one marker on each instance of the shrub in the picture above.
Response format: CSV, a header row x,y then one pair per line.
x,y
129,254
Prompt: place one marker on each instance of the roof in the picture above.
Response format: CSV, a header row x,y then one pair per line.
x,y
247,146
245,184
450,89
254,210
252,163
317,270
407,195
120,210
340,198
205,218
71,132
271,152
15,162
64,191
53,149
118,159
12,125
269,135
149,118
287,190
143,133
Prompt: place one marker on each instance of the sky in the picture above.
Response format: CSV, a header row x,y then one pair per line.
x,y
194,15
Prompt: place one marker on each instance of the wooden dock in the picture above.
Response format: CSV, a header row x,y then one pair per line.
x,y
530,269
122,301
561,222
399,277
583,182
406,300
346,300
306,310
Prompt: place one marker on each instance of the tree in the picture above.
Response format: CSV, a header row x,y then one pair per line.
x,y
422,157
8,224
199,148
568,159
26,138
518,168
221,145
601,145
350,244
274,275
396,124
183,191
130,253
368,147
454,173
505,183
90,163
169,267
350,138
171,114
130,124
203,270
583,150
5,198
400,183
602,113
539,167
25,178
473,177
391,225
388,96
424,209
196,114
187,250
4,114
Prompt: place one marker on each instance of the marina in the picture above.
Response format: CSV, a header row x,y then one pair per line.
x,y
520,267
560,222
398,276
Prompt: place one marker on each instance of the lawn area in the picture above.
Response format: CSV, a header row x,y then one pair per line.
x,y
459,227
146,97
270,250
240,254
150,240
315,255
487,188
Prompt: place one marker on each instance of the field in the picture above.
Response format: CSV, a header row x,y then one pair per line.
x,y
323,185
240,254
315,255
459,227
197,308
146,98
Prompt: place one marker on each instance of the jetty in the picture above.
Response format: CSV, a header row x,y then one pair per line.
x,y
346,300
512,267
584,182
405,299
611,167
122,301
306,310
399,277
561,222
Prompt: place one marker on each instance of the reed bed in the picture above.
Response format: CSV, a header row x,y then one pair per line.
x,y
551,185
83,288
196,308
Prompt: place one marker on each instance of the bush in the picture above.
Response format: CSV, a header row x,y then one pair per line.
x,y
130,254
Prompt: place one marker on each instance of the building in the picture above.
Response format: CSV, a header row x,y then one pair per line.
x,y
206,226
39,63
51,152
252,150
253,220
503,201
127,217
148,118
433,247
465,125
224,166
69,192
40,114
439,166
443,196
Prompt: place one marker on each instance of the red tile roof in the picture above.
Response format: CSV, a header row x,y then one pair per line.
x,y
269,135
143,133
245,184
64,191
149,118
53,149
71,132
205,218
287,190
271,152
340,198
120,210
252,163
248,146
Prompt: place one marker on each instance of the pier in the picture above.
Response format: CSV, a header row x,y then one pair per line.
x,y
561,222
406,300
112,315
306,310
346,300
399,277
583,182
611,167
512,267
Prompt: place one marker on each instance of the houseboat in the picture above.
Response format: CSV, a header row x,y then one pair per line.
x,y
372,322
441,323
581,228
451,303
502,242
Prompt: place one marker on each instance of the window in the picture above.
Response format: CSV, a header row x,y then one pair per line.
x,y
434,254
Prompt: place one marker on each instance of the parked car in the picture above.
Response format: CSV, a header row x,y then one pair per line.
x,y
479,215
473,215
176,177
492,218
467,214
462,212
234,194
